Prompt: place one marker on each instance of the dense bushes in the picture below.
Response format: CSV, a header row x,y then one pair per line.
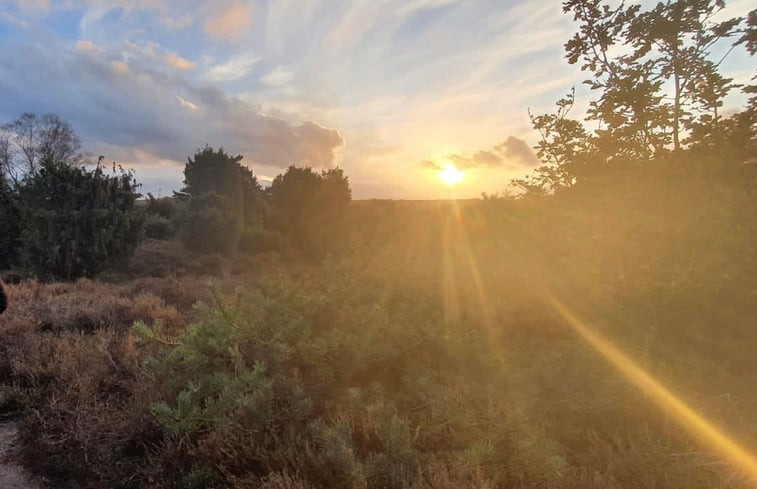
x,y
10,226
75,222
209,224
310,209
377,372
345,384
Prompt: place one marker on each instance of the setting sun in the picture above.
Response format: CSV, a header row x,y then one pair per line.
x,y
450,175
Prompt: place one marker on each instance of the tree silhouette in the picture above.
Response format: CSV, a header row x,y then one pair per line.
x,y
658,83
25,142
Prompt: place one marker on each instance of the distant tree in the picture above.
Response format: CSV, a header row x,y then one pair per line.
x,y
216,171
222,196
310,209
75,222
25,142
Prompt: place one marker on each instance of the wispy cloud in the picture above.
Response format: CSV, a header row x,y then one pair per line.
x,y
86,46
277,77
373,85
120,67
181,22
186,103
233,69
10,19
231,22
176,61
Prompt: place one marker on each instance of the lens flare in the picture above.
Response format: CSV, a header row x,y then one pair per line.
x,y
696,424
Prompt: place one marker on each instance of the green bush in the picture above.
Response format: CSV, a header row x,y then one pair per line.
x,y
310,210
345,382
260,240
158,227
76,222
165,207
210,224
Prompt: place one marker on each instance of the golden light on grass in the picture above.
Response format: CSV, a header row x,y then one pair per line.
x,y
450,175
695,423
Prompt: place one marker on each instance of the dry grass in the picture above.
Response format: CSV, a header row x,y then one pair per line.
x,y
68,358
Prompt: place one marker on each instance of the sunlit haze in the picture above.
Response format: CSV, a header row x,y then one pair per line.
x,y
362,244
374,87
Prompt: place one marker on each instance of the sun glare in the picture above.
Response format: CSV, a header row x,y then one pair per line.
x,y
450,175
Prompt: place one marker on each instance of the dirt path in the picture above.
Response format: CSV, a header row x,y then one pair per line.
x,y
12,475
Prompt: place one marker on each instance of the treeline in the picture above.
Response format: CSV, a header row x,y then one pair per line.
x,y
64,220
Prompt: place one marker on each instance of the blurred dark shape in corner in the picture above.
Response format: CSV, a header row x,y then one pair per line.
x,y
3,298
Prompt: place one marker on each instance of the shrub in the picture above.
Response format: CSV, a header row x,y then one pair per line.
x,y
210,224
158,227
259,240
310,209
165,207
69,365
76,222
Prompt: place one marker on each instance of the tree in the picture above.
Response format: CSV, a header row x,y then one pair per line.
x,y
10,230
75,222
224,198
216,171
658,81
25,142
310,209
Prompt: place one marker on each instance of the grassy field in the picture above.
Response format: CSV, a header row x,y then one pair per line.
x,y
436,353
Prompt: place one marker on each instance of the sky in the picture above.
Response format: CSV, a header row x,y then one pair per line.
x,y
388,90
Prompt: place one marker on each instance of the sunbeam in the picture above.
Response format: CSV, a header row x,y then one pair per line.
x,y
696,424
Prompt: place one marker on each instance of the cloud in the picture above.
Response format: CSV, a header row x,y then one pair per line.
x,y
236,67
186,103
43,5
512,152
8,18
120,67
518,151
279,76
176,61
411,6
230,23
86,46
147,111
176,22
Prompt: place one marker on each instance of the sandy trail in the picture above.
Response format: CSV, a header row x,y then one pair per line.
x,y
12,475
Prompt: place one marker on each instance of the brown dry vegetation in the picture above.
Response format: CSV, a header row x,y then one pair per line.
x,y
427,358
68,360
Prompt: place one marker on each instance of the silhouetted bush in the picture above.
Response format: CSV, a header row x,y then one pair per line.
x,y
10,226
